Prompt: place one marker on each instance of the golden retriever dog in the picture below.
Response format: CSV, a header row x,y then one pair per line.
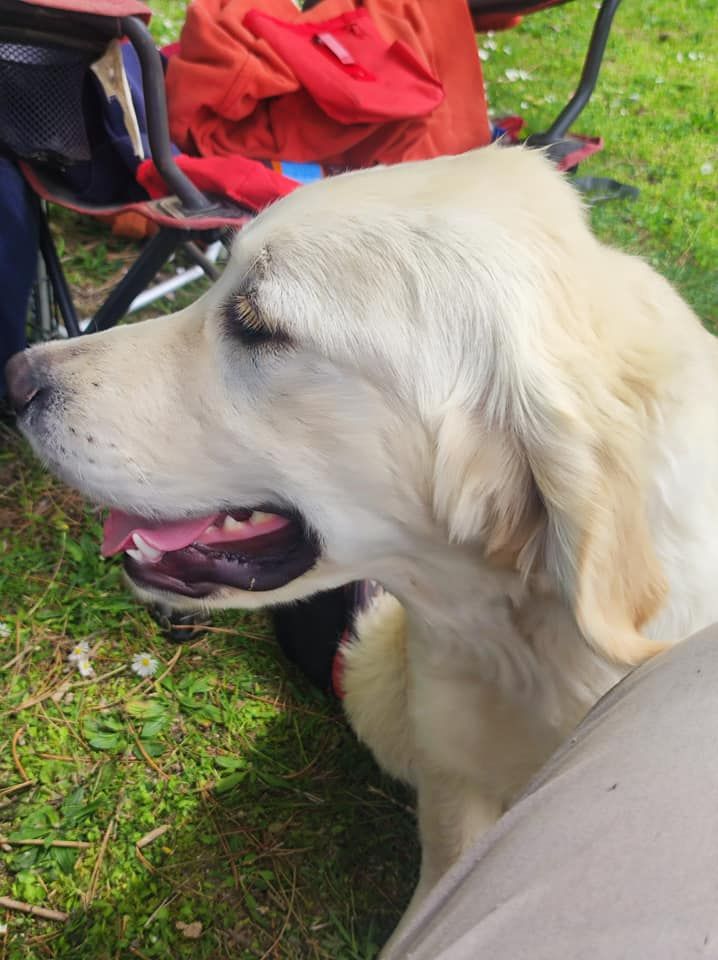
x,y
434,376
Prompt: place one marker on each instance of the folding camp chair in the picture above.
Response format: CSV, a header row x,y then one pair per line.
x,y
46,49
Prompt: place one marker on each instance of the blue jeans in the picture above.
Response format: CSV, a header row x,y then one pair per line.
x,y
18,261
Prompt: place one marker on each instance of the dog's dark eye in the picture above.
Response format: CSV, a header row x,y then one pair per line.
x,y
243,322
247,324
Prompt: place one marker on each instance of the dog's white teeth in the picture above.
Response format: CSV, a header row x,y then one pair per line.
x,y
259,517
137,555
147,552
231,524
212,528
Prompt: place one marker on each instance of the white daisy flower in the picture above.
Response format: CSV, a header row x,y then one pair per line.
x,y
144,665
4,630
84,667
79,652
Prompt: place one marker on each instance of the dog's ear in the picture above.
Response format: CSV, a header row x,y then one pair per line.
x,y
598,539
562,491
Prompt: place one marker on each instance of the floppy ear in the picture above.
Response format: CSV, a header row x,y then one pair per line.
x,y
619,583
542,444
600,546
562,492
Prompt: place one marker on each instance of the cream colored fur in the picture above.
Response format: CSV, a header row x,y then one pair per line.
x,y
509,425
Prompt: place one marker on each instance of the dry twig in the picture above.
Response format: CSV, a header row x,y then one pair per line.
x,y
6,791
152,836
19,656
43,912
278,939
95,876
56,692
75,844
147,758
16,759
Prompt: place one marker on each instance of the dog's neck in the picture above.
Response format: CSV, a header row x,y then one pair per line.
x,y
467,617
452,593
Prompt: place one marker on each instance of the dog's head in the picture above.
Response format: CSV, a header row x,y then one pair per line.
x,y
393,360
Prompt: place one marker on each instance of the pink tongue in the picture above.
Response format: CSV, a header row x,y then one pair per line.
x,y
176,535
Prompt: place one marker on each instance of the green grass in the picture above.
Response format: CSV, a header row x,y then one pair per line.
x,y
283,839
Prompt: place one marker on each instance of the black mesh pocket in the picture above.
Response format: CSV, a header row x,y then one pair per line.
x,y
41,96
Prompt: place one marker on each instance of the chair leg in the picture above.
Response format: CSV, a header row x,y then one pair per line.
x,y
43,314
155,254
587,84
198,258
55,274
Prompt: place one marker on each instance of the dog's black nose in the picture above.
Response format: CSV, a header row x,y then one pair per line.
x,y
22,382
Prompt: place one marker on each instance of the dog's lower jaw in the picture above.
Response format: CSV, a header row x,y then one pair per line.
x,y
323,576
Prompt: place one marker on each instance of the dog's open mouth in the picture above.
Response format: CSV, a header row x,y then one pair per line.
x,y
247,549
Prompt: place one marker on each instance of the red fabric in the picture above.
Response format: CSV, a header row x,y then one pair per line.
x,y
246,181
170,49
511,126
504,14
97,8
44,187
585,147
483,22
348,69
231,93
